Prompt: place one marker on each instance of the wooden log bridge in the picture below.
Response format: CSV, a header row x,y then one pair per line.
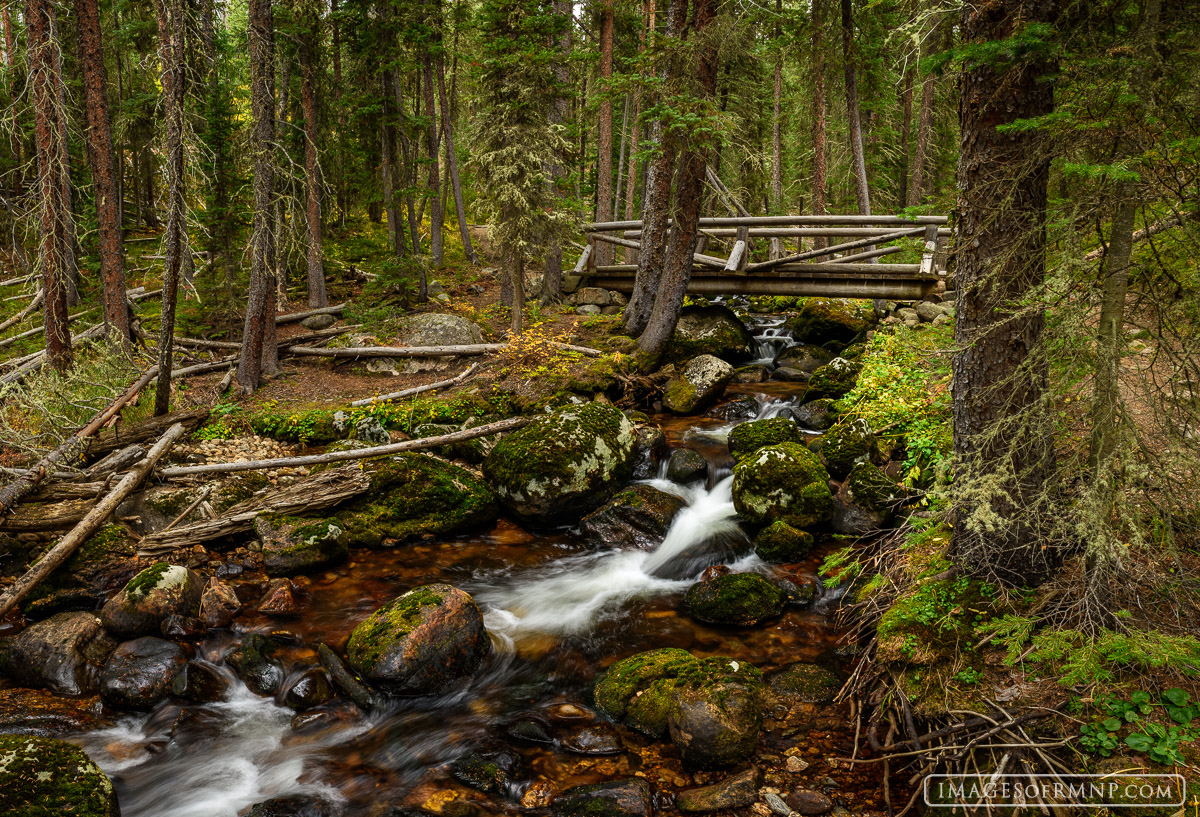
x,y
835,256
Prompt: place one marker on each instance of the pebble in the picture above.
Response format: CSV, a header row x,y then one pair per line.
x,y
795,764
776,804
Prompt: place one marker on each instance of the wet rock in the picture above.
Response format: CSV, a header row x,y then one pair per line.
x,y
800,593
434,329
291,545
747,438
219,604
846,445
824,319
738,410
139,673
318,322
35,712
421,642
252,662
833,380
686,466
710,330
780,543
649,449
636,691
296,805
739,599
594,739
280,598
809,803
751,374
307,690
737,791
782,482
866,501
199,682
776,804
790,375
629,797
639,516
64,654
538,795
43,776
697,385
489,774
416,495
562,464
529,731
804,682
716,715
816,415
182,628
157,592
804,357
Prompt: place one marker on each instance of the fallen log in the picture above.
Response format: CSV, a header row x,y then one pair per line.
x,y
463,350
318,491
116,461
344,679
112,439
64,491
24,313
299,316
37,359
72,449
90,523
398,395
200,343
31,518
14,281
423,444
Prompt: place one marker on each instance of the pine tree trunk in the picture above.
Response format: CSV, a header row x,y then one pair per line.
x,y
171,22
820,109
604,131
57,222
1002,436
281,118
636,135
464,232
905,128
862,192
10,56
621,156
408,155
435,195
317,296
777,132
340,142
259,305
924,126
100,156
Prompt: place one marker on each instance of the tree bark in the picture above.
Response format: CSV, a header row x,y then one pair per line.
x,y
905,128
924,126
259,304
100,156
464,232
777,131
604,129
340,142
1002,436
862,193
552,291
431,144
281,122
636,135
312,170
819,112
57,221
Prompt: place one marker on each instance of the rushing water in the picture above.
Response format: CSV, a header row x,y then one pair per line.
x,y
558,611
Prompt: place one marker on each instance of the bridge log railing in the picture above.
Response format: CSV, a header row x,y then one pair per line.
x,y
835,256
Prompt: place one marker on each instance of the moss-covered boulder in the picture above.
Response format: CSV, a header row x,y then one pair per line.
x,y
472,451
804,682
824,319
637,517
710,330
416,495
835,379
866,501
716,713
846,445
815,415
254,662
636,691
739,599
104,562
421,642
563,464
291,545
490,774
140,673
782,482
629,797
64,653
747,438
434,329
779,543
159,591
804,357
46,777
735,792
697,385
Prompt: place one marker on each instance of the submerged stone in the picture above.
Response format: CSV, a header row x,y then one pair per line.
x,y
139,673
629,797
805,682
637,517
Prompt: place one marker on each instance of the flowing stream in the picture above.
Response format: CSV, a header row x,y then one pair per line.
x,y
558,611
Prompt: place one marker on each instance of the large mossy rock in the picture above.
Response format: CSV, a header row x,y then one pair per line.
x,y
637,517
816,415
779,543
140,673
825,319
747,438
782,482
47,777
697,385
866,501
421,642
739,599
835,379
804,357
64,653
629,797
291,545
636,691
416,495
710,330
562,465
846,445
159,591
434,329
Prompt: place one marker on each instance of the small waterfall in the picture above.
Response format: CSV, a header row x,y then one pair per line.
x,y
573,594
772,338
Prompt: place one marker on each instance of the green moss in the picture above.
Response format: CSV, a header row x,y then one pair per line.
x,y
782,482
809,683
735,598
143,583
824,319
636,691
679,392
846,445
934,622
747,438
45,777
239,489
394,620
170,503
311,426
835,379
780,543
